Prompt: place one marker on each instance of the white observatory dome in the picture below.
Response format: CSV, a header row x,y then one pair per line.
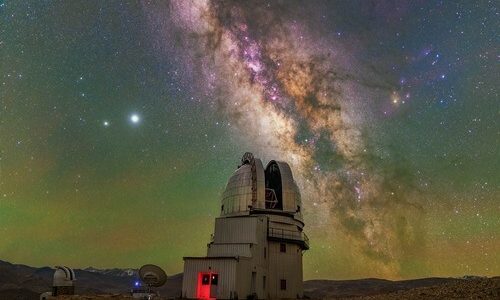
x,y
253,189
63,276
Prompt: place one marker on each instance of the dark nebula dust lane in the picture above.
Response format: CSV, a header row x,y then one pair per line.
x,y
385,111
300,96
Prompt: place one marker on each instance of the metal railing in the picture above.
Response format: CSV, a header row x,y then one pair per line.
x,y
289,235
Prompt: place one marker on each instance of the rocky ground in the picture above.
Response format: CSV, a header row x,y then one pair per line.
x,y
424,288
474,288
96,297
477,288
20,282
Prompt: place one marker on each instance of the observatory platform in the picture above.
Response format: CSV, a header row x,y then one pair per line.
x,y
257,246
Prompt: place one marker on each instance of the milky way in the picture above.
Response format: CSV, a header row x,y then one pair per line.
x,y
298,95
120,122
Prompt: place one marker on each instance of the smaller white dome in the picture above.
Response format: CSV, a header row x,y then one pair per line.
x,y
63,276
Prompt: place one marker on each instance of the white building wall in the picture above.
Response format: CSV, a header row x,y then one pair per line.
x,y
225,268
217,250
285,220
235,230
287,266
244,280
246,239
259,259
284,226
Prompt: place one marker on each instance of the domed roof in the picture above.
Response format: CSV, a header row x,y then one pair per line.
x,y
63,276
254,189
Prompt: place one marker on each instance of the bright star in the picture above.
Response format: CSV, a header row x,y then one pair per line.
x,y
395,98
135,118
105,123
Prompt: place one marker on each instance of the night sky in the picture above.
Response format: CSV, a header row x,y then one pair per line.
x,y
120,123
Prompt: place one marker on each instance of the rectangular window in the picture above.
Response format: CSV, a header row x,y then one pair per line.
x,y
215,279
283,248
265,252
264,282
205,279
283,284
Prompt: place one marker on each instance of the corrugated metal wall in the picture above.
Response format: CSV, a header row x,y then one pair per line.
x,y
285,220
287,266
229,250
225,268
247,238
236,230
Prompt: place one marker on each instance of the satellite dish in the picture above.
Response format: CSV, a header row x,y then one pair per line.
x,y
152,275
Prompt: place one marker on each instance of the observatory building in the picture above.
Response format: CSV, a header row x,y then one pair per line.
x,y
63,283
257,246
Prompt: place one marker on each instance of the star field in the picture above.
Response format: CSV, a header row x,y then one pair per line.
x,y
120,123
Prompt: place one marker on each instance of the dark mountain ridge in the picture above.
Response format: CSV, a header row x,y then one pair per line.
x,y
24,282
31,281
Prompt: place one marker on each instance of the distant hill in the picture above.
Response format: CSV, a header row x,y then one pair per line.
x,y
114,272
28,282
425,288
23,282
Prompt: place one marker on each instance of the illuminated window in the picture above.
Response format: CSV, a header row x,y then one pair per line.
x,y
283,284
283,248
205,280
215,279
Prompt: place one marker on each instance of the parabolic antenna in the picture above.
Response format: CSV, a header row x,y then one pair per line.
x,y
152,275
